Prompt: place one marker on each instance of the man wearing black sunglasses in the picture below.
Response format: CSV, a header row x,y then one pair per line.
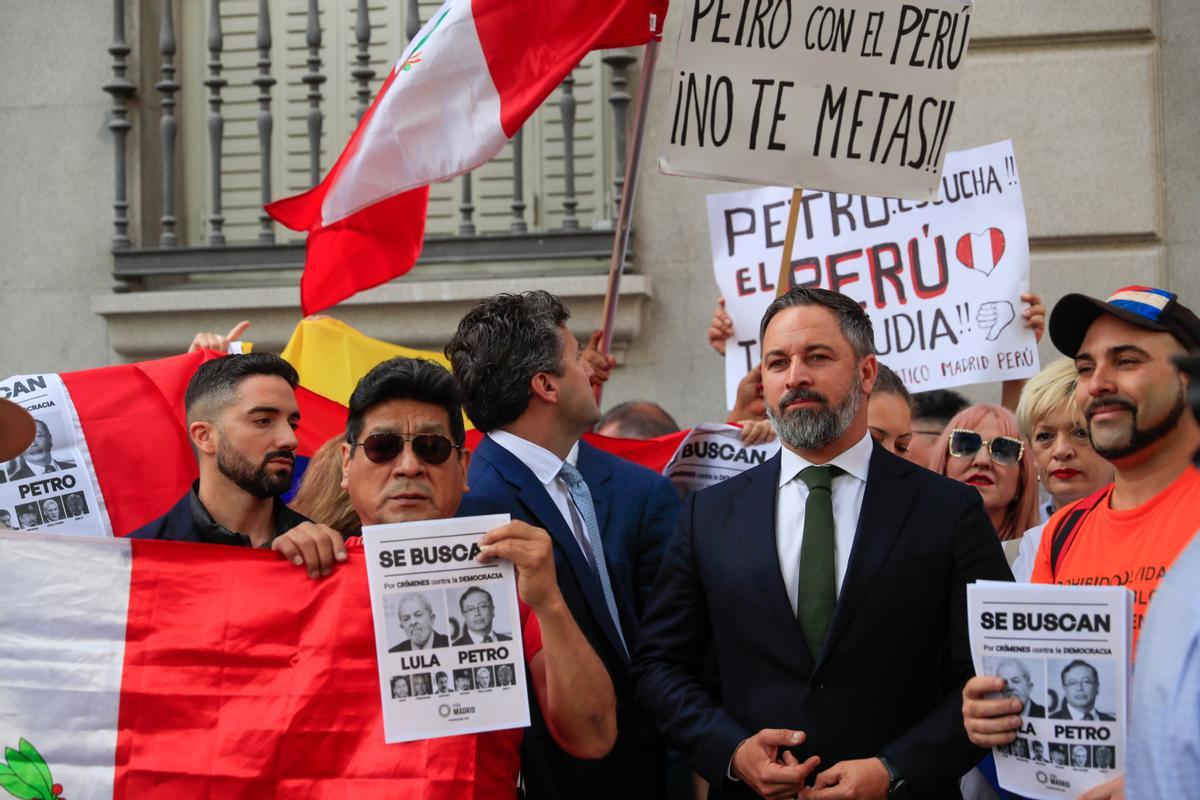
x,y
527,386
403,460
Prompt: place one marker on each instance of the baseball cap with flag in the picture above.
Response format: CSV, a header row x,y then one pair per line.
x,y
1143,306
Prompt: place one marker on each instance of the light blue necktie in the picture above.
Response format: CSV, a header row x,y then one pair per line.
x,y
583,501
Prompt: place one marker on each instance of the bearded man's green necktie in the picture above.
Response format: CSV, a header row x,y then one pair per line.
x,y
818,577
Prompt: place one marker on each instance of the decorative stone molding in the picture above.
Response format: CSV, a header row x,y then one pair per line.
x,y
421,314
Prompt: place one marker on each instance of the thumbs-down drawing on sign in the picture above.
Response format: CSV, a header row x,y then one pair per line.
x,y
994,316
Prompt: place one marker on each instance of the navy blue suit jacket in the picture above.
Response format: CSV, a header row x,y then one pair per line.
x,y
889,676
636,510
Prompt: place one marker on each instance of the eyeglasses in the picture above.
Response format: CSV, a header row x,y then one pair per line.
x,y
1004,450
477,608
432,448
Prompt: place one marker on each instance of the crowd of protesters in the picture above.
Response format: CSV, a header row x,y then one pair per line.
x,y
749,640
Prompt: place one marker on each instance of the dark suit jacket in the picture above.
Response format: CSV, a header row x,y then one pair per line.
x,y
439,640
1036,711
465,641
1063,713
889,676
26,471
636,511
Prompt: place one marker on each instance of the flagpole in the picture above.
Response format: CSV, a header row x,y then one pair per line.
x,y
784,282
625,211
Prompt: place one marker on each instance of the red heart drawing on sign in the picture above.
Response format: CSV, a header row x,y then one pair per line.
x,y
981,251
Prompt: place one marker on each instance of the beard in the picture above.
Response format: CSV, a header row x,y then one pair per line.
x,y
814,428
262,481
1138,438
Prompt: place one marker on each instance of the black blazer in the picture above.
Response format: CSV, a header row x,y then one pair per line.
x,y
889,677
636,510
1063,713
465,641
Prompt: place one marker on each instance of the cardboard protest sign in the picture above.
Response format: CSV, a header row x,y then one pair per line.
x,y
447,630
1064,651
50,487
712,453
852,96
941,281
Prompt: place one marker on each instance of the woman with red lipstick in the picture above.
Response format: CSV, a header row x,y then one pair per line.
x,y
1067,466
983,447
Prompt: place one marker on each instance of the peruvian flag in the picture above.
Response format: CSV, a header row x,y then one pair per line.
x,y
153,669
464,86
112,451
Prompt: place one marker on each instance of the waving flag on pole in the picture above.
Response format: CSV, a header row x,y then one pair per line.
x,y
464,86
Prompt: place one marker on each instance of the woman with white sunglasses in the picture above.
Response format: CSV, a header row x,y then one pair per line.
x,y
983,447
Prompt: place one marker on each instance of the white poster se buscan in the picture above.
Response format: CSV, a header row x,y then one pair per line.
x,y
447,630
1065,652
941,280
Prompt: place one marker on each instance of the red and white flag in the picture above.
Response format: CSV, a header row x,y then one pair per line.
x,y
464,86
153,669
111,451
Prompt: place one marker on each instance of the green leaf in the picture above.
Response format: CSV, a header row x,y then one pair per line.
x,y
22,768
5,769
19,788
35,758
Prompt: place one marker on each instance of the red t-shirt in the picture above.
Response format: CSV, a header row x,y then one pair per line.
x,y
498,753
1132,548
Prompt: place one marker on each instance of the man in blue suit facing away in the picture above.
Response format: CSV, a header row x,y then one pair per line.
x,y
526,386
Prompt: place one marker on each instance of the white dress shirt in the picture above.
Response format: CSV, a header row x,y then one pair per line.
x,y
848,491
545,466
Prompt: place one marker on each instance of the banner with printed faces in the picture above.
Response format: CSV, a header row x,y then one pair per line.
x,y
49,488
447,630
1065,653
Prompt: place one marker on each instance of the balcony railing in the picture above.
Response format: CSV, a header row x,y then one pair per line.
x,y
237,102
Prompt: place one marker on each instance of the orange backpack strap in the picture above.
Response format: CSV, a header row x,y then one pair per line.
x,y
1065,534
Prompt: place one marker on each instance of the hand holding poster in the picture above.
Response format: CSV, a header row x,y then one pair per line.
x,y
941,281
1064,651
447,630
855,95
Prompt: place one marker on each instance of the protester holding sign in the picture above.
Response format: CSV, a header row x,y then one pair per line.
x,y
403,461
1133,400
241,416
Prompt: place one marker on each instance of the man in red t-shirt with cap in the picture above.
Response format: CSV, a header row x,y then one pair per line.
x,y
1134,400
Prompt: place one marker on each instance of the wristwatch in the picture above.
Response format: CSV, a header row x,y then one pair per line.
x,y
897,787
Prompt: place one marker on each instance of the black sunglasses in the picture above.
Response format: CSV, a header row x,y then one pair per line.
x,y
432,448
1004,450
